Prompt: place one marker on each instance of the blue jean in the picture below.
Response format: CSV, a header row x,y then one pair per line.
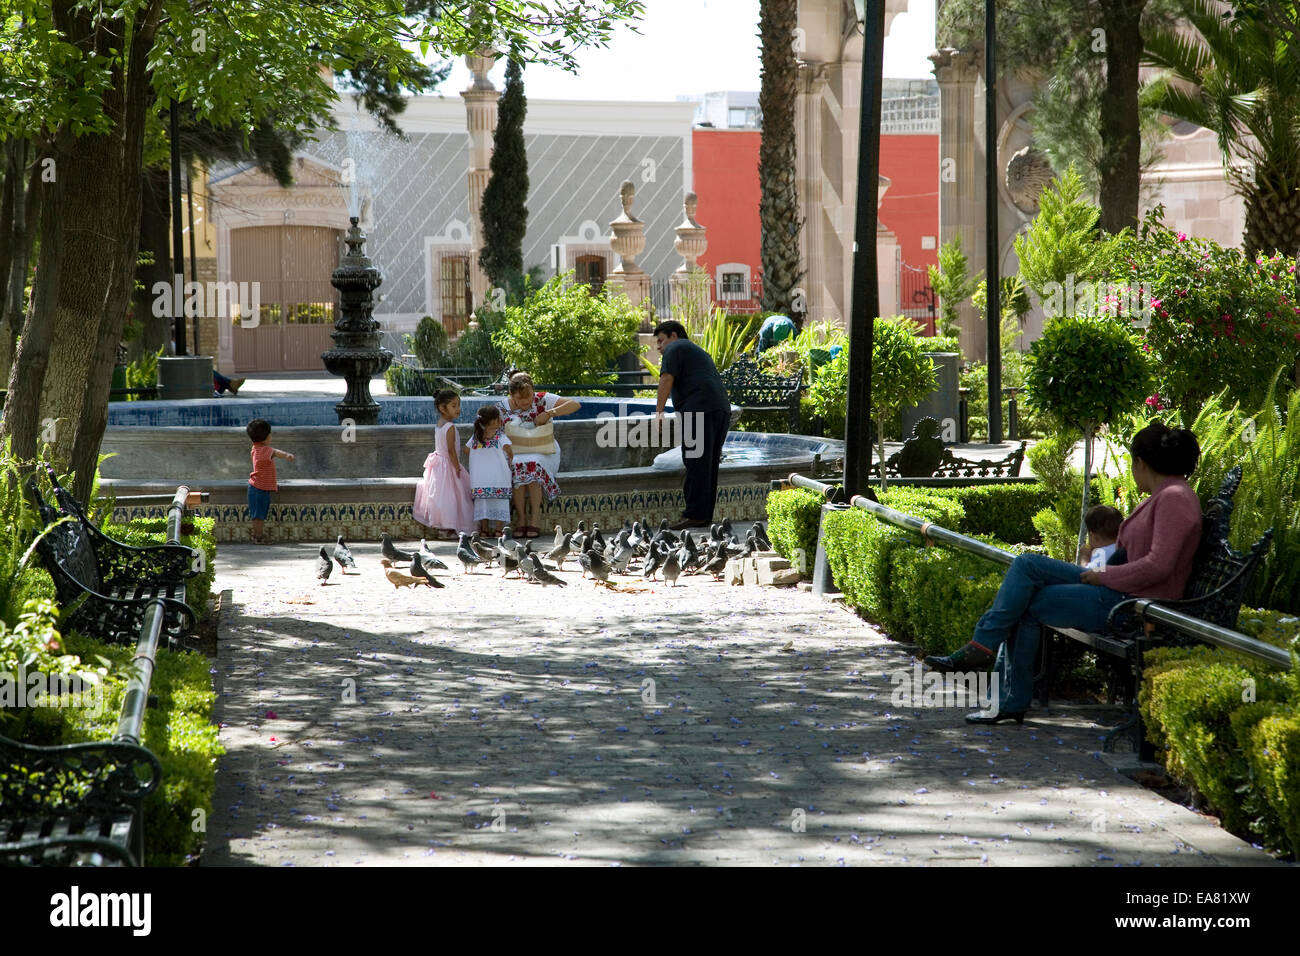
x,y
1037,590
259,503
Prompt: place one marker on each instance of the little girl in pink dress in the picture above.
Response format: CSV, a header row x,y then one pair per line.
x,y
442,498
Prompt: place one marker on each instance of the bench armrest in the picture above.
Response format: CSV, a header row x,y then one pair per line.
x,y
91,778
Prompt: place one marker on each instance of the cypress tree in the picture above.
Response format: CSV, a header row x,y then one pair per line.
x,y
505,211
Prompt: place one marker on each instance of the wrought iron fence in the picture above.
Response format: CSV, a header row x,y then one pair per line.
x,y
917,296
736,293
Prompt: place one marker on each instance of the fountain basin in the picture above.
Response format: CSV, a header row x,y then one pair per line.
x,y
359,482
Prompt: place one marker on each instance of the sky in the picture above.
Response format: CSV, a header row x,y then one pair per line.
x,y
689,47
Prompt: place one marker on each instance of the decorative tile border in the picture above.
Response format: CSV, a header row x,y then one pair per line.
x,y
363,521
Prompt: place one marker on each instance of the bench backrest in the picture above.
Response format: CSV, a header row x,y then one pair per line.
x,y
747,384
68,553
1219,568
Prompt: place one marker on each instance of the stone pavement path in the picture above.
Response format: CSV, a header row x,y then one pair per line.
x,y
495,722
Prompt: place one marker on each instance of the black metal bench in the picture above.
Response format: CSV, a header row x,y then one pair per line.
x,y
105,586
925,456
754,390
80,804
1214,593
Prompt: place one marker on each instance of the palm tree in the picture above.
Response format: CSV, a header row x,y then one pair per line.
x,y
1238,78
778,209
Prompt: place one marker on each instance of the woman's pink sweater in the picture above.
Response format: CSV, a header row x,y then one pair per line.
x,y
1160,538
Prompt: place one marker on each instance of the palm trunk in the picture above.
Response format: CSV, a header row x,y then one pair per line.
x,y
779,206
1272,214
1121,134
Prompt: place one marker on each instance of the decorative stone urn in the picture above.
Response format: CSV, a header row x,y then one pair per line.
x,y
628,239
480,64
356,354
691,243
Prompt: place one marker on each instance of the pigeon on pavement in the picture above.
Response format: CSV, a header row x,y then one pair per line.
x,y
343,556
420,571
560,551
428,558
324,565
395,555
398,579
486,553
466,555
672,567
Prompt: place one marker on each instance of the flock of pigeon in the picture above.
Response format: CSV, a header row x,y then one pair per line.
x,y
635,549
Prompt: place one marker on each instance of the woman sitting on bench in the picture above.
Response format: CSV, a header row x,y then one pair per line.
x,y
1157,544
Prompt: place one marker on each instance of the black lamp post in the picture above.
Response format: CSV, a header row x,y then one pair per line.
x,y
866,274
991,271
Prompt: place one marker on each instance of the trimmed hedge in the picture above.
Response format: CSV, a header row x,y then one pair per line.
x,y
1229,727
793,517
1004,511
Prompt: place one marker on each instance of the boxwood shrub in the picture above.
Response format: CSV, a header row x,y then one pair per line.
x,y
793,517
1229,727
1004,511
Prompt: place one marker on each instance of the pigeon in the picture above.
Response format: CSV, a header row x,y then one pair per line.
x,y
466,555
719,563
398,579
579,539
618,563
637,537
484,552
506,543
652,561
559,536
560,551
527,566
593,561
343,556
764,544
428,558
420,571
324,565
543,576
393,554
672,567
509,561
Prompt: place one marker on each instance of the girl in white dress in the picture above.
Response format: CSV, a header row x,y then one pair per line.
x,y
489,471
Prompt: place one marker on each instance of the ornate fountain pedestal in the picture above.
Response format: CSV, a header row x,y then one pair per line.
x,y
356,354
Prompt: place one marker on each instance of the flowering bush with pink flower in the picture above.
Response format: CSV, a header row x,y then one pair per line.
x,y
1216,319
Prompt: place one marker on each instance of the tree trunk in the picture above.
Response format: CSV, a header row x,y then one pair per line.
x,y
101,231
21,423
17,223
155,223
1121,132
779,206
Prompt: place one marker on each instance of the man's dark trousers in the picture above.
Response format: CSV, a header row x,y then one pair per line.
x,y
701,485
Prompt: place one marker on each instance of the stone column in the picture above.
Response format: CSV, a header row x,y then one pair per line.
x,y
889,258
690,283
481,119
628,240
961,175
808,185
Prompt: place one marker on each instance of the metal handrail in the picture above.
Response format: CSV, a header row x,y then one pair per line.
x,y
1145,608
176,514
136,700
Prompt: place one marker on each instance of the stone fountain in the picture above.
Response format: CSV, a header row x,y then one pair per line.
x,y
356,354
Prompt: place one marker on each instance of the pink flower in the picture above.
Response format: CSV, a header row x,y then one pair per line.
x,y
1182,237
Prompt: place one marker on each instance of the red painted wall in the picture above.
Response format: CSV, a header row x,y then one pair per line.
x,y
911,204
726,182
